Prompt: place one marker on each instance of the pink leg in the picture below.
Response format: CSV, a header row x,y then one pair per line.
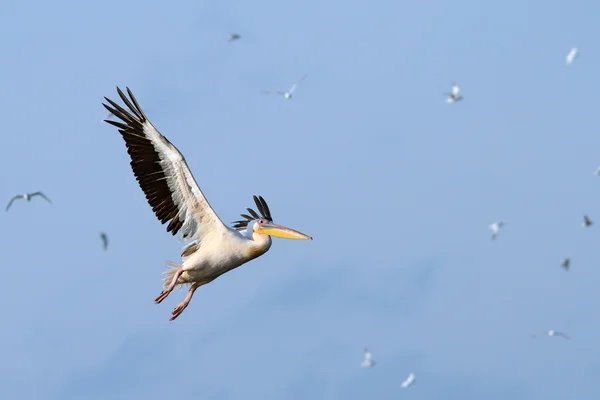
x,y
181,306
163,295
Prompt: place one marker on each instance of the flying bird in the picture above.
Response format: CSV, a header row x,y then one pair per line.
x,y
572,55
586,221
495,228
289,93
409,381
552,332
175,197
233,36
566,263
104,238
28,197
453,96
597,171
367,361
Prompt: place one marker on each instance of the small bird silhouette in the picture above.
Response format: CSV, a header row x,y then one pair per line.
x,y
233,36
289,93
586,221
453,97
28,197
551,333
104,238
495,228
572,55
368,361
566,263
409,381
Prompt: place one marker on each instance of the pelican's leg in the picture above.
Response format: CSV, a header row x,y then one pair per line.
x,y
163,295
181,306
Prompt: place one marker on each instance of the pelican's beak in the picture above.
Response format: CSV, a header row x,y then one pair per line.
x,y
282,232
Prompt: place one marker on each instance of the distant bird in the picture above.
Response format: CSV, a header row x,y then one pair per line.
x,y
453,96
495,228
552,332
566,263
289,93
28,197
409,381
175,197
597,172
104,238
586,221
233,36
572,55
368,361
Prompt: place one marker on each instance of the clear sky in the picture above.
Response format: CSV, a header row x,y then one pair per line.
x,y
396,186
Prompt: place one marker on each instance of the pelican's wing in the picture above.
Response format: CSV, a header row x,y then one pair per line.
x,y
40,194
104,238
19,196
295,85
562,334
163,174
279,92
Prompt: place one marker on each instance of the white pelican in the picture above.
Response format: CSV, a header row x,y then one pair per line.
x,y
409,381
566,263
28,197
572,55
175,197
453,97
289,93
586,221
552,332
367,361
232,37
495,228
104,238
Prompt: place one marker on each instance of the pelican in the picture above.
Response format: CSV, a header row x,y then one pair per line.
x,y
566,263
175,197
28,197
104,238
453,97
368,361
552,332
586,222
409,381
232,37
572,55
495,228
289,93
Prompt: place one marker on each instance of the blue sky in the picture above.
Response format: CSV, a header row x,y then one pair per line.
x,y
396,187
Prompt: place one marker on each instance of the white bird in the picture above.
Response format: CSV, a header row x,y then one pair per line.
x,y
104,238
409,381
495,228
586,221
552,332
453,96
289,93
175,197
28,197
367,361
566,263
572,55
233,36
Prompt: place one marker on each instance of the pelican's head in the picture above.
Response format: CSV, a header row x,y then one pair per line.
x,y
266,227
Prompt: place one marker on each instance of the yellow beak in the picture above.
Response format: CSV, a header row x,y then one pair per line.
x,y
282,232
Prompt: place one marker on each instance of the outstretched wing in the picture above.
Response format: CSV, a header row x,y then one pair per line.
x,y
40,194
19,196
279,92
163,174
295,85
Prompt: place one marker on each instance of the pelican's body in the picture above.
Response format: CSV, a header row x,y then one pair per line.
x,y
572,56
289,94
175,197
495,228
28,197
409,381
454,95
587,222
367,361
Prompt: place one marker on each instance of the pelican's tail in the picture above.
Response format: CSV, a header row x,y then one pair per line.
x,y
170,273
